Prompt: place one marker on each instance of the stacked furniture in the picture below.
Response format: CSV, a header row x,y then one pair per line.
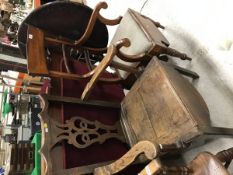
x,y
86,120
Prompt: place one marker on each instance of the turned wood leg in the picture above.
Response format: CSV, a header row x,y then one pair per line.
x,y
144,147
225,156
175,53
186,72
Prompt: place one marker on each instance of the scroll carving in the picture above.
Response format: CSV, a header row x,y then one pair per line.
x,y
82,133
143,147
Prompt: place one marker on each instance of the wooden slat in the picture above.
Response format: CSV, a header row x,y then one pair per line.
x,y
35,52
79,101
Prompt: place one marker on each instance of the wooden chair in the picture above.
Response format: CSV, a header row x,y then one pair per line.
x,y
145,41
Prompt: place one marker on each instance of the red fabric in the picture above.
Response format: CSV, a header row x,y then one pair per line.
x,y
45,87
112,149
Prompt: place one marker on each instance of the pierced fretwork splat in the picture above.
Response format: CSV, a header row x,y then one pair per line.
x,y
82,133
78,131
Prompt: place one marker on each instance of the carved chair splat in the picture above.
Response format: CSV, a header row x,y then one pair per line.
x,y
78,132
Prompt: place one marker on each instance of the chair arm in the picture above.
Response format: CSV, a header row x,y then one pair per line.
x,y
143,147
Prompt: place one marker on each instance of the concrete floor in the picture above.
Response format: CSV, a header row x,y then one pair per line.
x,y
203,30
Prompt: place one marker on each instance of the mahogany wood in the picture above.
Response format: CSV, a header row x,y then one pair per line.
x,y
68,21
35,51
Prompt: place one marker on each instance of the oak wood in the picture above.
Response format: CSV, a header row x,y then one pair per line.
x,y
164,108
144,147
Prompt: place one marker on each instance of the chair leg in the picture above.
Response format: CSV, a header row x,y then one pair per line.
x,y
186,72
175,53
217,131
164,58
225,156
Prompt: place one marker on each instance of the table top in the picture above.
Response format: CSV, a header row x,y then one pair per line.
x,y
65,19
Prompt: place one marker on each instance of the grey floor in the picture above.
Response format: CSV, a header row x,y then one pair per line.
x,y
195,27
204,31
